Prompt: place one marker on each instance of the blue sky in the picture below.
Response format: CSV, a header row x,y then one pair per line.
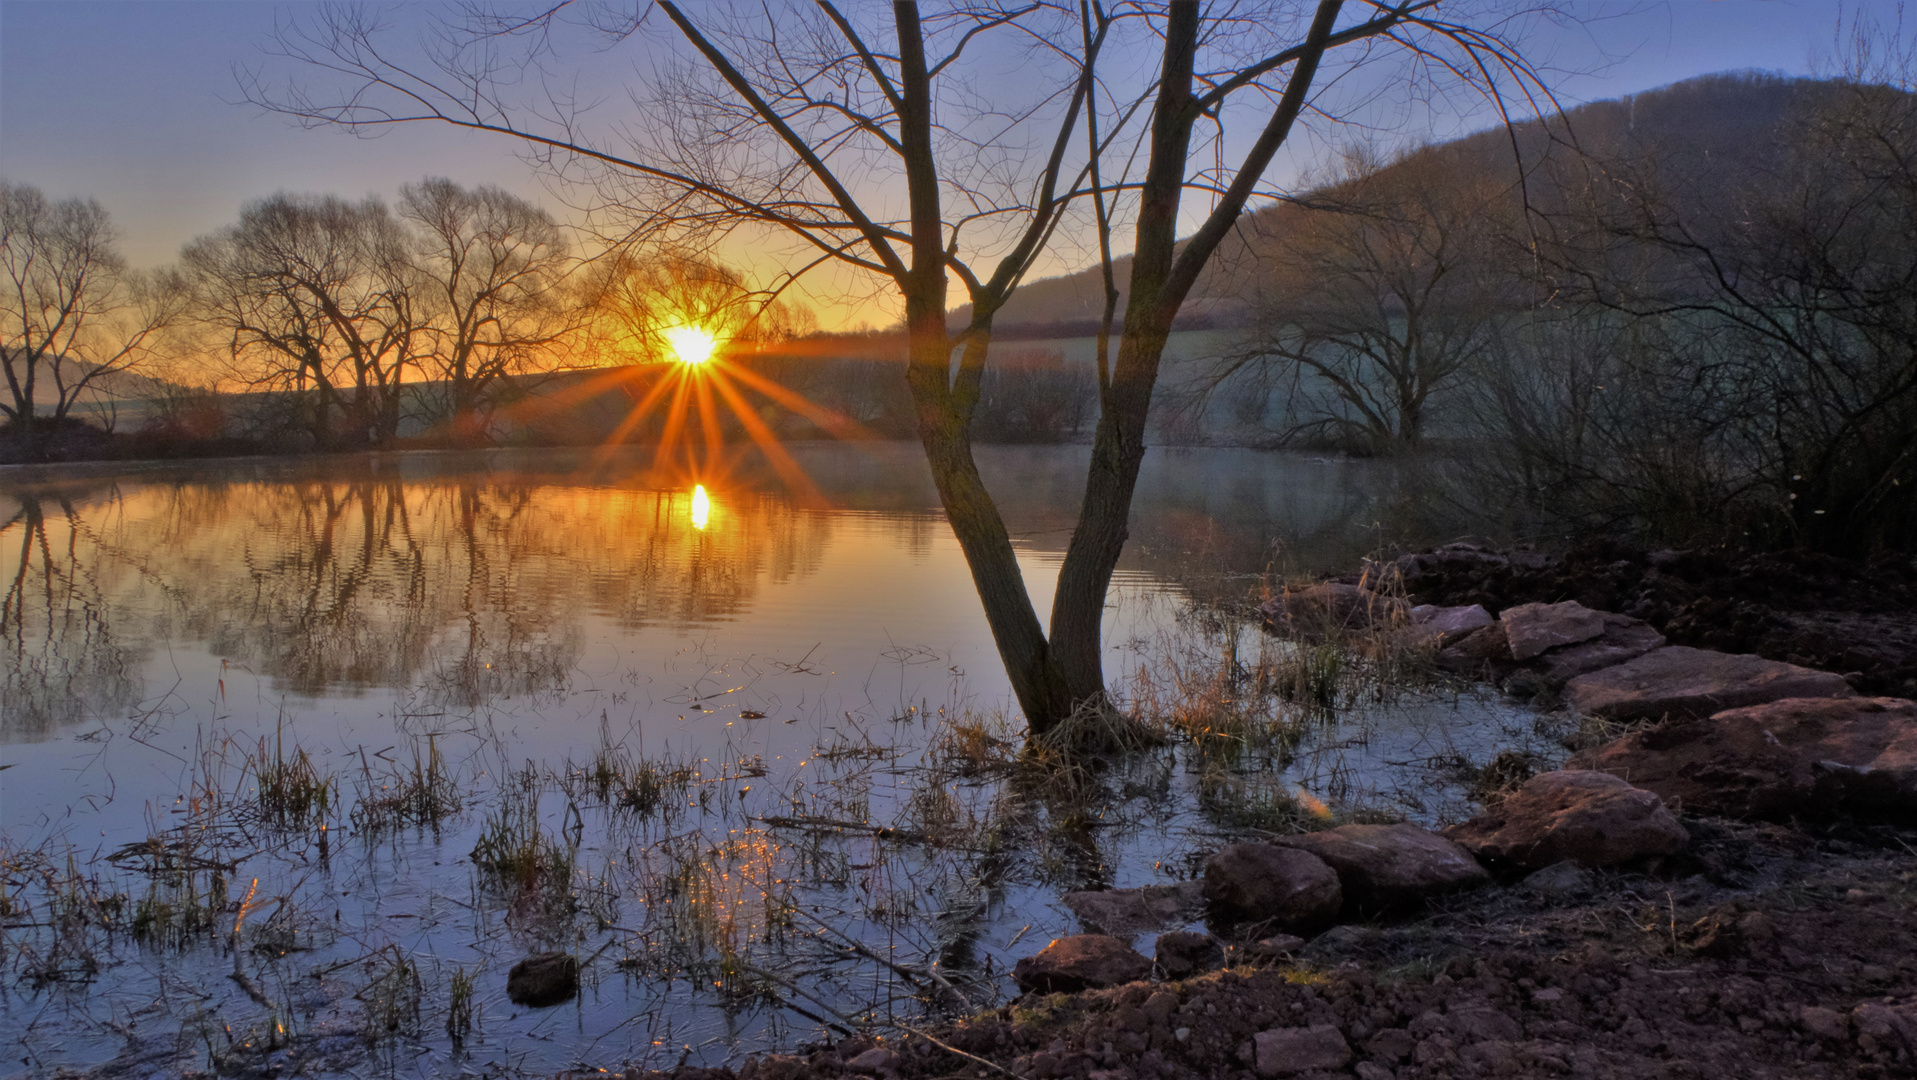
x,y
133,103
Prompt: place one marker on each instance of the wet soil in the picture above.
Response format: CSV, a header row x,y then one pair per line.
x,y
1849,616
1743,958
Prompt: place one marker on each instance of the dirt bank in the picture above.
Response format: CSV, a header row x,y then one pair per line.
x,y
1840,615
1749,957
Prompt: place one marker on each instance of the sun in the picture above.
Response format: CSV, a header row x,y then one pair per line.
x,y
691,344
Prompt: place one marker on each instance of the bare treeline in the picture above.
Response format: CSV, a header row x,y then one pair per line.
x,y
1693,321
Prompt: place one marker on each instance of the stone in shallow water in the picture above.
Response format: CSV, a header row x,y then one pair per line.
x,y
1589,818
1679,681
543,981
1131,911
1081,962
1796,758
1439,627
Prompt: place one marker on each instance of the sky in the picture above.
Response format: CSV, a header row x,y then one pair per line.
x,y
137,104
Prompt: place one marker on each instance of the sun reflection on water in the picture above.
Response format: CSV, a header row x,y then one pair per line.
x,y
701,506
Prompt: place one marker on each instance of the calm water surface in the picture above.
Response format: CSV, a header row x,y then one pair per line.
x,y
521,620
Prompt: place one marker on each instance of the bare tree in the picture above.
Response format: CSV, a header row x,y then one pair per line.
x,y
317,298
1375,292
72,316
871,142
1787,306
494,274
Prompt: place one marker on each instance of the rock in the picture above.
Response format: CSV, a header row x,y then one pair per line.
x,y
1828,1023
1481,1023
1287,1051
1390,867
543,980
1081,962
1450,559
1392,1044
772,1067
1728,931
1589,818
1131,911
1371,1070
1806,758
1340,943
1435,627
1328,609
1184,953
1886,1025
873,1061
1623,639
1159,1007
1274,949
1533,628
1559,881
1478,652
1264,883
1677,681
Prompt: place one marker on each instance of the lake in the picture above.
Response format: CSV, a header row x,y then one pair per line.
x,y
366,730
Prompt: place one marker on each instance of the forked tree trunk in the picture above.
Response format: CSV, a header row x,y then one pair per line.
x,y
1118,447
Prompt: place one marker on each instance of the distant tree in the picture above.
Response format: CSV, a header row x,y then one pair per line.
x,y
72,316
1034,396
493,272
1382,288
317,298
1787,305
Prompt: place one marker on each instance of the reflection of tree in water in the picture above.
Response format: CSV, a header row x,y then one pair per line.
x,y
63,662
474,587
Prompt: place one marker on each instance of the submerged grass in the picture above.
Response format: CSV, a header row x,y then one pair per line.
x,y
423,795
292,792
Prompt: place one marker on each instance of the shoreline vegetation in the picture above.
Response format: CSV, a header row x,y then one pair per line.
x,y
1763,947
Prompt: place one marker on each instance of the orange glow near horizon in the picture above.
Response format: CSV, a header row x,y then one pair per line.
x,y
705,407
701,507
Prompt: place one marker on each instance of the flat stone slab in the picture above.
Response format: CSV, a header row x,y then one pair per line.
x,y
1132,911
1624,639
1481,651
1434,627
1809,758
1581,816
1531,629
1391,867
1679,681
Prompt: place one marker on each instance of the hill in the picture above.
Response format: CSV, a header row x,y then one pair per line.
x,y
1706,134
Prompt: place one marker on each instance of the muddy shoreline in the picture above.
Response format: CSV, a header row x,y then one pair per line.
x,y
1763,949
